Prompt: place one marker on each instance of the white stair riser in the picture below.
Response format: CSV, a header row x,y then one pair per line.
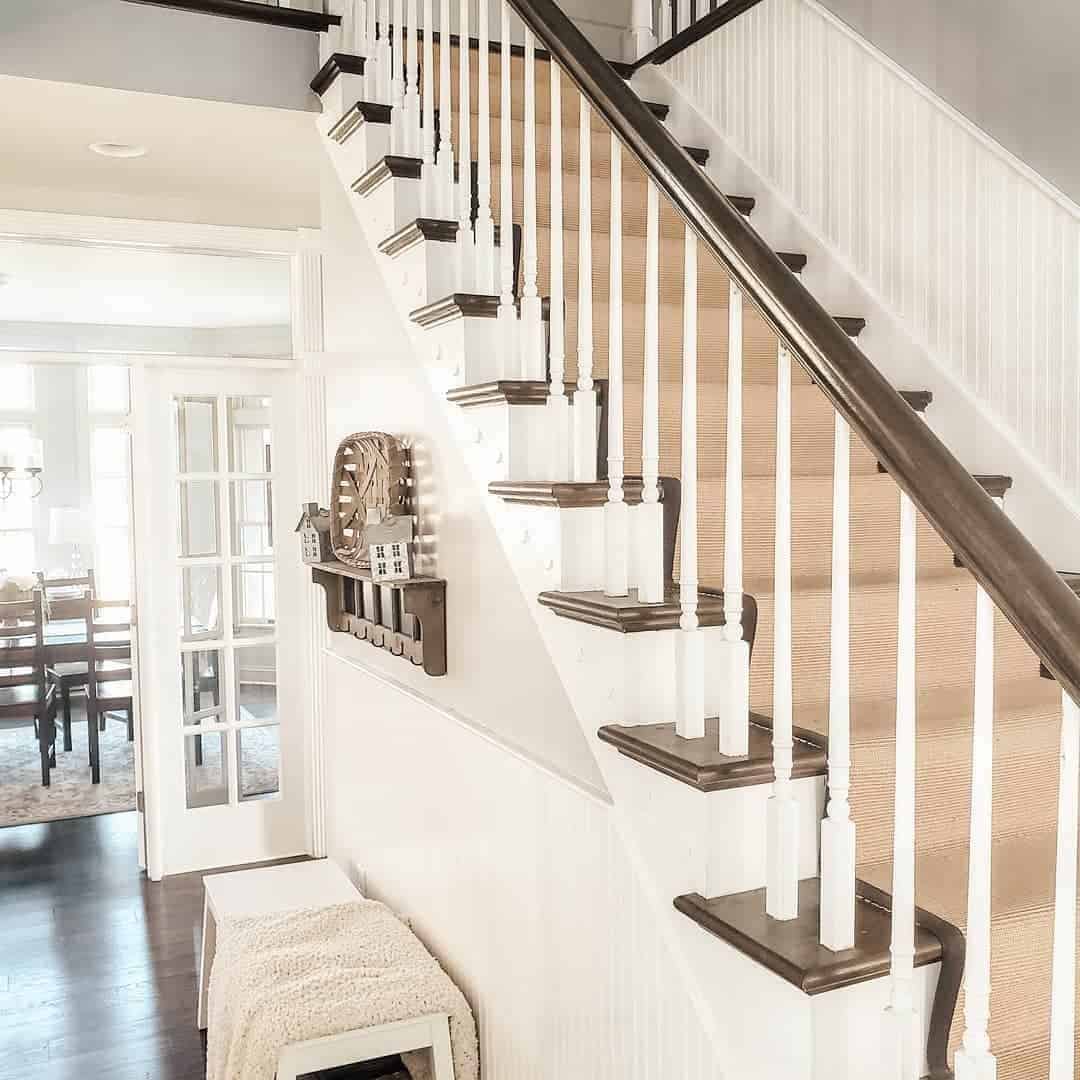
x,y
393,204
423,272
512,439
344,92
467,350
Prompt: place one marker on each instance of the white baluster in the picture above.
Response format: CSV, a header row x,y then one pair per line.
x,y
446,117
665,13
733,653
429,191
465,240
561,456
485,223
690,643
1063,971
782,884
398,138
507,308
532,324
385,73
371,50
838,830
642,38
903,1054
616,512
974,1060
650,514
412,82
585,396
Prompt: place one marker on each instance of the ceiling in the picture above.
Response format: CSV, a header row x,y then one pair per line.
x,y
209,162
97,284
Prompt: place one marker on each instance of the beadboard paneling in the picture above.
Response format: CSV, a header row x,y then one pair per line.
x,y
519,883
975,254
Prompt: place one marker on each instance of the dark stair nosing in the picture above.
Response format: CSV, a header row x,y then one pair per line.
x,y
794,261
790,948
338,64
568,494
460,305
628,615
363,112
252,11
699,763
699,154
1072,579
437,230
851,325
500,391
391,166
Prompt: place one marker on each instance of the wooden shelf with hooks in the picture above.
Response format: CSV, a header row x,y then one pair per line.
x,y
406,618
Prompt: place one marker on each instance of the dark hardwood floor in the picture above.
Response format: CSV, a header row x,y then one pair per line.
x,y
97,964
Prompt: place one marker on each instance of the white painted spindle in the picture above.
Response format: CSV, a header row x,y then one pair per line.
x,y
664,29
398,138
507,302
974,1060
532,324
371,50
585,396
782,883
485,223
690,643
1063,971
650,514
903,1054
642,38
465,241
838,830
446,117
616,512
412,82
733,653
429,191
561,456
385,72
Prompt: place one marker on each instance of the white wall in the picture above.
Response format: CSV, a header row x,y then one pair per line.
x,y
965,263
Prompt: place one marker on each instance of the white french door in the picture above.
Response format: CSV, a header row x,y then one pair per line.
x,y
220,617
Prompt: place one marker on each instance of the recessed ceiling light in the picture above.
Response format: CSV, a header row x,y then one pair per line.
x,y
118,149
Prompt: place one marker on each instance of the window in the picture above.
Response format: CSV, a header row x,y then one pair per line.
x,y
228,651
17,548
108,390
110,463
18,388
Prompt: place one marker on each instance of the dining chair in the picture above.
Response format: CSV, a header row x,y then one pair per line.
x,y
27,695
111,690
62,603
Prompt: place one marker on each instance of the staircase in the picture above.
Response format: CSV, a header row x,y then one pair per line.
x,y
778,636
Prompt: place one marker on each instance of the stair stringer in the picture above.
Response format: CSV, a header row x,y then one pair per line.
x,y
740,1004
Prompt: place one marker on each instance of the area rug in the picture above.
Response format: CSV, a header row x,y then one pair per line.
x,y
23,800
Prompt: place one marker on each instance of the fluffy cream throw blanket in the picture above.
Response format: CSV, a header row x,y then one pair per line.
x,y
279,979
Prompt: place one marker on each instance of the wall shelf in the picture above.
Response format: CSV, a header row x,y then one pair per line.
x,y
407,618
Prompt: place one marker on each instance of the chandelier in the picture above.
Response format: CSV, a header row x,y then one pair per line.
x,y
21,459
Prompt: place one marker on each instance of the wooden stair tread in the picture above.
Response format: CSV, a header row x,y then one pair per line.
x,y
338,64
790,948
501,391
629,615
699,763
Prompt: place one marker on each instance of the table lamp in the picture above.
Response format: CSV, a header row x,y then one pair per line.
x,y
71,525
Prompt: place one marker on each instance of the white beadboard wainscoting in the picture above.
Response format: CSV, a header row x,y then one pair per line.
x,y
972,255
518,881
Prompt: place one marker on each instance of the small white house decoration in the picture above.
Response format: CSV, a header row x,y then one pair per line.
x,y
314,530
390,548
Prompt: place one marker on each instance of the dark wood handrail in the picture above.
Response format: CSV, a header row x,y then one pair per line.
x,y
704,26
1022,584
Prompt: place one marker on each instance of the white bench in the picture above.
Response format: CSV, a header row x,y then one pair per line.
x,y
319,883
